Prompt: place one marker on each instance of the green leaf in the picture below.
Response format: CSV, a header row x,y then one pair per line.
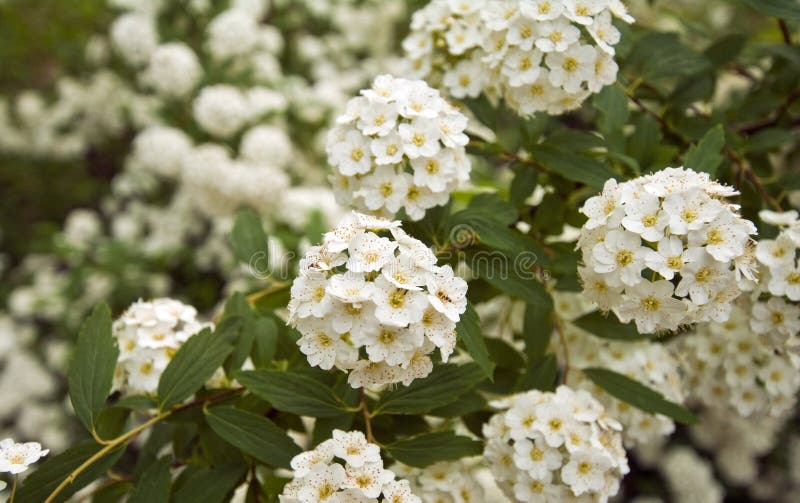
x,y
194,363
209,485
254,435
512,275
443,386
523,184
706,155
541,374
537,329
657,56
638,395
248,240
782,9
466,404
153,485
136,402
266,341
613,105
292,392
91,370
39,484
572,166
429,448
608,327
469,331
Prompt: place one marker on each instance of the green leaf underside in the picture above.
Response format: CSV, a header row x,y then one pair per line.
x,y
91,370
638,395
292,392
194,363
253,434
445,384
428,448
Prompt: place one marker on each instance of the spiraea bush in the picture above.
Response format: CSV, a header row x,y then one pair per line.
x,y
404,252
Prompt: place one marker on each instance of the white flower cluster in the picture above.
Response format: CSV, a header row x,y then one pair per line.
x,y
148,335
398,145
15,458
665,249
383,294
738,461
727,368
540,55
343,469
464,481
690,477
555,447
777,316
649,363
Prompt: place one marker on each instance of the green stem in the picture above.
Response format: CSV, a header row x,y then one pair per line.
x,y
123,439
13,490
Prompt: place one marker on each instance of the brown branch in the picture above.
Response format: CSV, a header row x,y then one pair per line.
x,y
367,416
787,35
767,123
745,170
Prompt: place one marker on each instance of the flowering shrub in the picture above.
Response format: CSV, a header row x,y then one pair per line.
x,y
390,251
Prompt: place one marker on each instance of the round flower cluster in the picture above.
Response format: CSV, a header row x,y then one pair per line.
x,y
727,368
465,480
15,458
665,249
552,446
646,362
398,145
777,318
383,294
344,468
148,335
540,55
690,477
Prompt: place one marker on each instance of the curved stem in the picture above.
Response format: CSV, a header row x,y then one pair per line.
x,y
367,416
13,490
123,439
253,297
564,346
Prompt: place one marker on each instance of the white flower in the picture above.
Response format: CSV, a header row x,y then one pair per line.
x,y
322,483
785,281
775,315
369,252
351,154
569,69
16,458
354,449
536,457
556,36
385,188
447,293
134,36
399,491
604,33
670,257
320,343
398,306
651,305
621,254
585,471
542,10
776,253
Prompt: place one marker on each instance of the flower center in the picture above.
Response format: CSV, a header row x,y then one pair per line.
x,y
649,220
432,167
689,215
650,303
555,37
793,278
418,139
584,467
714,237
387,337
386,189
537,454
391,149
702,275
357,154
624,258
570,64
675,262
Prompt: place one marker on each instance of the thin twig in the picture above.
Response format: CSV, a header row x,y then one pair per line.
x,y
564,346
787,35
367,417
741,164
130,435
255,296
